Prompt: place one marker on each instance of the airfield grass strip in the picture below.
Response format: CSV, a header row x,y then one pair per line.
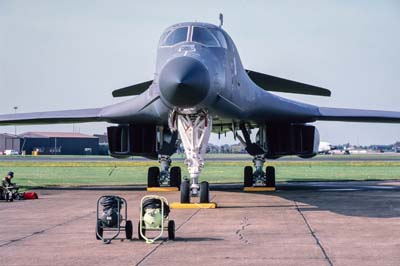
x,y
68,173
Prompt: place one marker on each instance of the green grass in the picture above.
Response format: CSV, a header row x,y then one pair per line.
x,y
34,174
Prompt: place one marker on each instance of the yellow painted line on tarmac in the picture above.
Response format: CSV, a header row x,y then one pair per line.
x,y
258,189
162,189
178,205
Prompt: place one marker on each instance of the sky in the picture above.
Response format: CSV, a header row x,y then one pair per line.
x,y
58,55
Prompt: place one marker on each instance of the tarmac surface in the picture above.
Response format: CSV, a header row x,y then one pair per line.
x,y
335,223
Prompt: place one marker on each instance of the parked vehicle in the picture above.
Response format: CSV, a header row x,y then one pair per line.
x,y
11,152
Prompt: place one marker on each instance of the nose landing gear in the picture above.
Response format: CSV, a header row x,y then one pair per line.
x,y
194,128
204,192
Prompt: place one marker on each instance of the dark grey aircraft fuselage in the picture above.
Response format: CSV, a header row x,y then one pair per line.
x,y
192,75
230,92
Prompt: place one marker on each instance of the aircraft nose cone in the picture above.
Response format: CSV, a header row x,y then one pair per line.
x,y
184,82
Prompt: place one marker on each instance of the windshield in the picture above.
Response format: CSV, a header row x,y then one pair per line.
x,y
204,36
220,36
176,36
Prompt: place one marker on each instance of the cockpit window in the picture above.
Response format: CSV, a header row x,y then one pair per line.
x,y
220,36
176,36
204,36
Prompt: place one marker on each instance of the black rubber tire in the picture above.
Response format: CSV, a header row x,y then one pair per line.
x,y
175,177
185,192
270,176
171,230
248,176
6,196
204,192
99,230
153,177
143,231
128,229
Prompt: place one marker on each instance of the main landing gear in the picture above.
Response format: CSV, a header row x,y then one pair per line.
x,y
165,176
194,128
259,178
256,180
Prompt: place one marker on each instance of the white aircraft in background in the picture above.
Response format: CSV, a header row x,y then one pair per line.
x,y
325,147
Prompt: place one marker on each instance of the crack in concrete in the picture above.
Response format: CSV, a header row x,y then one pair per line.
x,y
243,226
314,235
9,242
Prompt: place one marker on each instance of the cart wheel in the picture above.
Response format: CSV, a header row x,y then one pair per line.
x,y
270,176
153,177
171,230
204,192
185,192
128,229
248,176
175,176
143,231
99,230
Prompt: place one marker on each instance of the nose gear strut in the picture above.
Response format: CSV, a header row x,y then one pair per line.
x,y
194,128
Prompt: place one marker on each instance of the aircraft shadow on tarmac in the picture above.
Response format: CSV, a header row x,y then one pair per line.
x,y
371,203
374,199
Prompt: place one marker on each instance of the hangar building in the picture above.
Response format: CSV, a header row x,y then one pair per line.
x,y
9,142
59,143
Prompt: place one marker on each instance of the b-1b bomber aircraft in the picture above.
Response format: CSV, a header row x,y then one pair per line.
x,y
201,86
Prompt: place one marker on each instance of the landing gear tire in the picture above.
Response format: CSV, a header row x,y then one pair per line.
x,y
128,230
185,192
248,176
143,231
153,177
175,177
270,176
171,230
204,192
99,230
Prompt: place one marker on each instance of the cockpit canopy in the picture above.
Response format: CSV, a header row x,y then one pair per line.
x,y
176,36
210,37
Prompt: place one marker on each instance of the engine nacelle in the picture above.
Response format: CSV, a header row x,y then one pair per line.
x,y
129,140
140,140
282,140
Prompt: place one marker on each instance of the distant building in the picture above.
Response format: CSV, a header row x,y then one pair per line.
x,y
52,143
9,142
103,138
103,143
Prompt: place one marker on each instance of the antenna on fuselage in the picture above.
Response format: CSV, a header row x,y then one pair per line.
x,y
221,20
